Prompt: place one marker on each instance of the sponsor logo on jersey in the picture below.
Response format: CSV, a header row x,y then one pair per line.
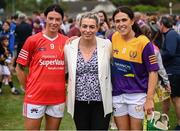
x,y
115,51
42,49
51,62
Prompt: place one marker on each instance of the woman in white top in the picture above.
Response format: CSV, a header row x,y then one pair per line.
x,y
89,98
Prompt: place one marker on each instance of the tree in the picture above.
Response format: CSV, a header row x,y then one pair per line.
x,y
144,2
28,6
2,4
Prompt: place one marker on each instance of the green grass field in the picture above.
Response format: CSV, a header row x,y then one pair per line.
x,y
11,112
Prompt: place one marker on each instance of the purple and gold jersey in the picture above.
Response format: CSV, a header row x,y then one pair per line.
x,y
132,62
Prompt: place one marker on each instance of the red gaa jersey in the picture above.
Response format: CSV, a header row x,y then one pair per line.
x,y
45,84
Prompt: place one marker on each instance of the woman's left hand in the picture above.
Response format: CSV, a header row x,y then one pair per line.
x,y
149,106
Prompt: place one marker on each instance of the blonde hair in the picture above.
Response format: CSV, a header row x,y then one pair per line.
x,y
90,15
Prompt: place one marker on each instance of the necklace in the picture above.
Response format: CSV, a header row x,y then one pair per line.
x,y
87,50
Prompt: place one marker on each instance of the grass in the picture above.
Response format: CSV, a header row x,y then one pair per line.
x,y
11,112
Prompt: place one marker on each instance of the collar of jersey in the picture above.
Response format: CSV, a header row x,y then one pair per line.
x,y
49,38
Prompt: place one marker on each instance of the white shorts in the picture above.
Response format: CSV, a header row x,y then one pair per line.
x,y
38,111
1,70
5,70
129,104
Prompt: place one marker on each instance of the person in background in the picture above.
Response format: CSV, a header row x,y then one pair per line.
x,y
104,24
44,82
163,76
10,34
1,24
134,72
74,31
89,97
156,35
36,27
22,32
65,24
13,24
170,53
5,61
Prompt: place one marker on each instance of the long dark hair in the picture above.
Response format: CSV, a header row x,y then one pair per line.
x,y
130,14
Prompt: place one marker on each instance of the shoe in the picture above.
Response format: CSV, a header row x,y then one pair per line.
x,y
22,88
14,91
0,91
6,82
113,126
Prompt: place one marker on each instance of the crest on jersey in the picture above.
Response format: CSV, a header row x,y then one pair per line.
x,y
133,54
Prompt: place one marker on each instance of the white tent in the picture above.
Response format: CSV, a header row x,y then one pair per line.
x,y
108,8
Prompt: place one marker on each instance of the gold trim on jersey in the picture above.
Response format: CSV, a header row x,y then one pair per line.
x,y
129,50
152,59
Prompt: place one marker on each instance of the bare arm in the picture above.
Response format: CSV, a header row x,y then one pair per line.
x,y
149,104
21,74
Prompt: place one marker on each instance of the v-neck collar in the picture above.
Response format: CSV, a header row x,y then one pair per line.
x,y
49,38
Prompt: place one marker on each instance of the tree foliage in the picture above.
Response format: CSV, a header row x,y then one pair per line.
x,y
149,9
27,6
2,4
144,2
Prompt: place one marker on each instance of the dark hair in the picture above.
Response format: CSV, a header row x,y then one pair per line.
x,y
105,16
56,8
14,17
2,38
146,30
37,21
166,21
36,12
130,14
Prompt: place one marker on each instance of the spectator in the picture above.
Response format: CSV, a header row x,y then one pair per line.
x,y
23,30
163,77
104,24
10,34
5,60
74,31
170,53
36,27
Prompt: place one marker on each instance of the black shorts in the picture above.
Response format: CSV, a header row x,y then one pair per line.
x,y
175,85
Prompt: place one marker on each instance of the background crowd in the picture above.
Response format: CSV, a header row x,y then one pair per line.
x,y
161,30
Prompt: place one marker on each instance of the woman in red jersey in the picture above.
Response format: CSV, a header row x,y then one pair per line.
x,y
44,84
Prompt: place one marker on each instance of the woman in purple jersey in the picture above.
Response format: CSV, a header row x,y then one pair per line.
x,y
134,72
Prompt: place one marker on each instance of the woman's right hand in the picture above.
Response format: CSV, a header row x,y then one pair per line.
x,y
71,39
